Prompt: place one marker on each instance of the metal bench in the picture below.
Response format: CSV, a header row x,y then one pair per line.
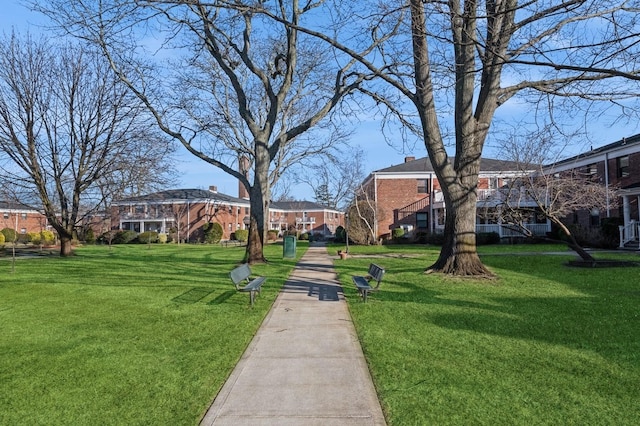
x,y
253,285
363,283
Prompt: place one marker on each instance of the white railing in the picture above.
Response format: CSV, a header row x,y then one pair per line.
x,y
305,220
629,232
537,229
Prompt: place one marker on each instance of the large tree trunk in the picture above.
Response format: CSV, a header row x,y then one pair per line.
x,y
459,180
65,245
259,195
458,255
255,243
573,244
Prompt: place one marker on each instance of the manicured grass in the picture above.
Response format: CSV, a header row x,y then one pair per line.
x,y
132,335
541,344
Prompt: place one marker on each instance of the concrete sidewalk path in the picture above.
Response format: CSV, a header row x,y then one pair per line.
x,y
305,365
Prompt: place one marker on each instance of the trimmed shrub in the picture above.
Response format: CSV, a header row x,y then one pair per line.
x,y
340,235
421,237
435,238
304,237
9,235
148,237
212,232
124,237
242,235
1,238
89,236
34,237
610,231
163,238
272,235
398,233
487,238
48,238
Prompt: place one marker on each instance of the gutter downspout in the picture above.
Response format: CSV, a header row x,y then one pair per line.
x,y
606,181
375,197
431,200
188,220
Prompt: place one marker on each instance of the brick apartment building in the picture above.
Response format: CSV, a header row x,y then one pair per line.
x,y
185,211
305,216
21,218
614,165
409,196
182,212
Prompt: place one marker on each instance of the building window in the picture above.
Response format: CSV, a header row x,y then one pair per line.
x,y
423,186
595,217
23,216
6,215
422,220
623,166
592,169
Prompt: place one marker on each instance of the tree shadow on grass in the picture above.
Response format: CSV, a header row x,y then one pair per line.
x,y
570,311
193,295
579,323
314,288
222,298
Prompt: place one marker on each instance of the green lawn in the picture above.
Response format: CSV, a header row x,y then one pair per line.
x,y
132,335
139,335
541,344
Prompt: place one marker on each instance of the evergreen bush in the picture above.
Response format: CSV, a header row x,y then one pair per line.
x,y
212,232
48,238
242,235
124,237
148,237
487,238
10,235
34,237
89,236
398,233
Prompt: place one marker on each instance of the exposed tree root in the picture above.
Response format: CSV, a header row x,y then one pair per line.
x,y
461,266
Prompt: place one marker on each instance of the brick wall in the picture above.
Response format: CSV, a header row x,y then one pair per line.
x,y
26,221
394,194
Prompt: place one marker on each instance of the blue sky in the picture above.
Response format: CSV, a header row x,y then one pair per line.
x,y
194,173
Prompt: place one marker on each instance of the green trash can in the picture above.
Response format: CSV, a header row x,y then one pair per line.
x,y
289,248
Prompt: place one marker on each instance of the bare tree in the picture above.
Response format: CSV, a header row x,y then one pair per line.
x,y
334,178
243,86
542,190
70,133
363,217
469,58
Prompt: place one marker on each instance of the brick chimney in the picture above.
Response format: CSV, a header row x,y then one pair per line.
x,y
408,159
243,167
213,189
